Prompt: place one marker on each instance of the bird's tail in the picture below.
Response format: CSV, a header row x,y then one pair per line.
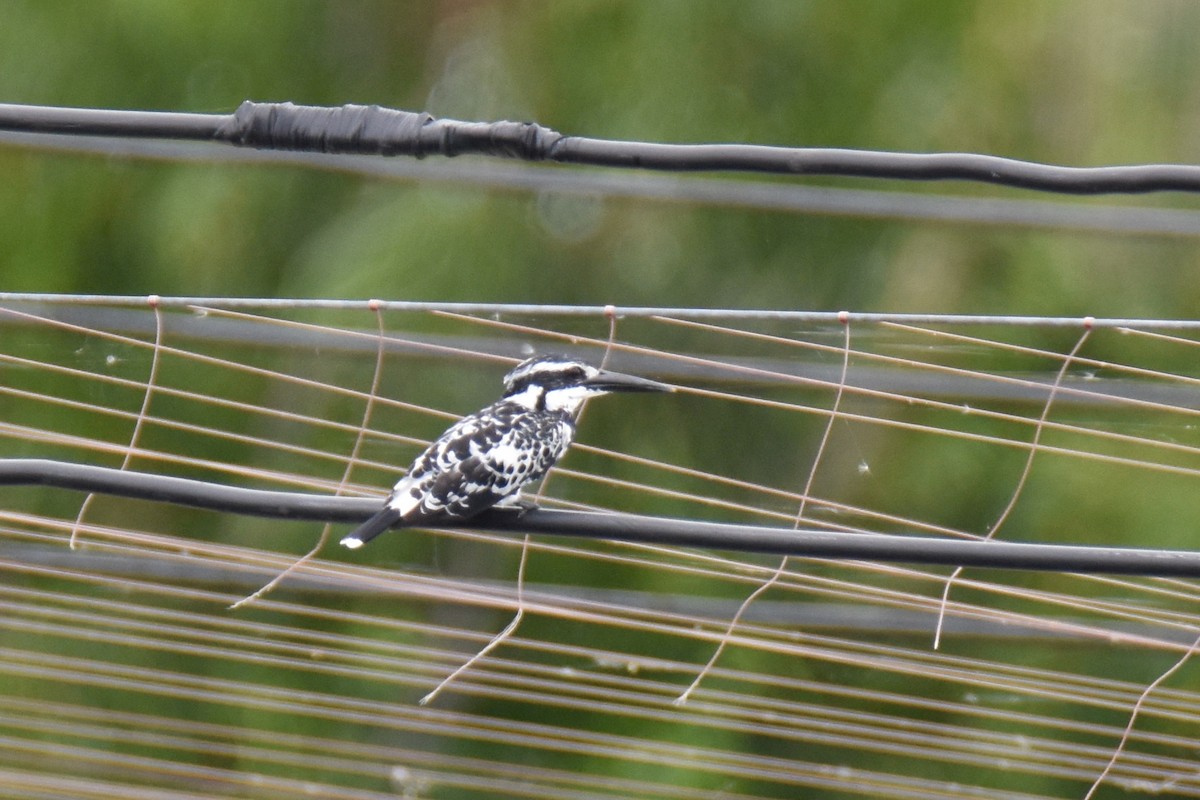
x,y
383,519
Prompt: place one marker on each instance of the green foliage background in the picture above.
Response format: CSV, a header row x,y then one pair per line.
x,y
1076,83
1082,83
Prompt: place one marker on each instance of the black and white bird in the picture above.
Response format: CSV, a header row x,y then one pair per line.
x,y
485,459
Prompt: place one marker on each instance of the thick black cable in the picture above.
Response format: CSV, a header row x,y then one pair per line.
x,y
374,130
1107,219
621,527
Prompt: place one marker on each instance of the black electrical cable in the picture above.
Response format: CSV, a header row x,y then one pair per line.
x,y
374,130
621,527
1107,219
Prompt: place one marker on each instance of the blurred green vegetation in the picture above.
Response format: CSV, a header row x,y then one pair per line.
x,y
1066,82
1076,83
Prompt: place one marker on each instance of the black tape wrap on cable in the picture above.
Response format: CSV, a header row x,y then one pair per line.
x,y
375,130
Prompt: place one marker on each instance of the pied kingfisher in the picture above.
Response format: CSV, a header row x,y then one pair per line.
x,y
487,458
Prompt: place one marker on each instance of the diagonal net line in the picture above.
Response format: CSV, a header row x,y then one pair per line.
x,y
223,637
820,646
754,697
908,400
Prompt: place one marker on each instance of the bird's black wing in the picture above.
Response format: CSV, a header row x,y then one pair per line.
x,y
484,459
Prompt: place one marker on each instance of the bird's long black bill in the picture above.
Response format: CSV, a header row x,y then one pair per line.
x,y
618,382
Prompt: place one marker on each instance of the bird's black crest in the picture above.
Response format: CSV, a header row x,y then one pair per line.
x,y
549,371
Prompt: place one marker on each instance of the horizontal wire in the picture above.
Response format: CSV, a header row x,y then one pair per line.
x,y
347,756
188,302
853,593
227,326
621,527
521,680
333,664
550,739
375,130
1009,623
553,698
1066,687
261,640
322,641
1104,219
839,507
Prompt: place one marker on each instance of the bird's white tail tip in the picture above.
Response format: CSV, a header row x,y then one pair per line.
x,y
352,543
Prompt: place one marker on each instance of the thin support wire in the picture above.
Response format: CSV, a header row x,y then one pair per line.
x,y
1133,715
1016,493
341,487
151,382
782,568
191,303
